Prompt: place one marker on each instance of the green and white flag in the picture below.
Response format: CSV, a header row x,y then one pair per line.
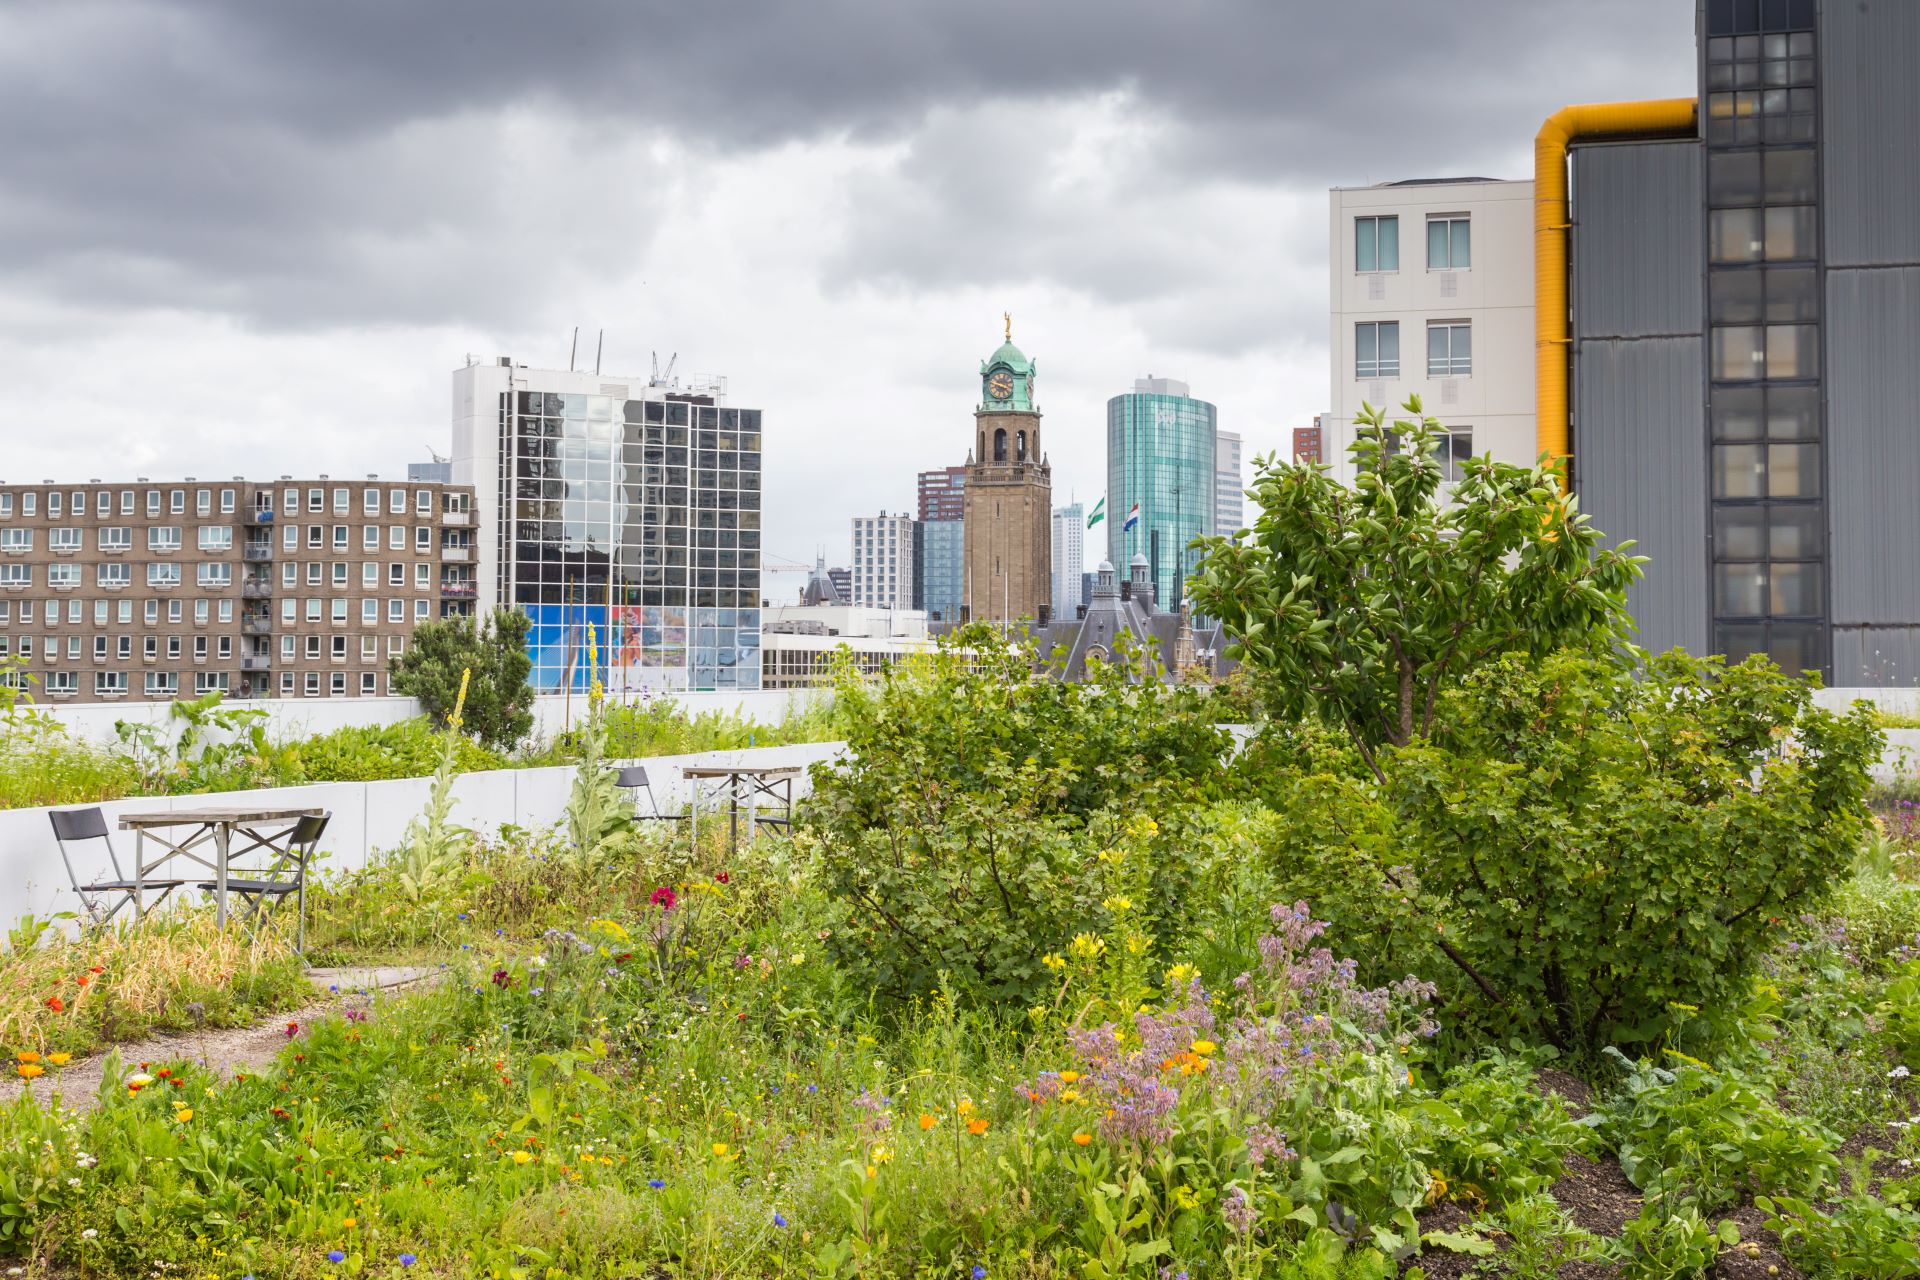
x,y
1098,514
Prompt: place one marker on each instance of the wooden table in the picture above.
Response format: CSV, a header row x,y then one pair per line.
x,y
216,826
744,781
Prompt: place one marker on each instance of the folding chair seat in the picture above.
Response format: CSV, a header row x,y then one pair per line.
x,y
634,778
262,889
78,826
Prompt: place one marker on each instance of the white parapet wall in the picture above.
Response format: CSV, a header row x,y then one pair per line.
x,y
368,817
303,717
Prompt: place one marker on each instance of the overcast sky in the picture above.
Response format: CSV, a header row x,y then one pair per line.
x,y
244,236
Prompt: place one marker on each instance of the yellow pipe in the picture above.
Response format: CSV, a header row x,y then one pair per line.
x,y
1550,222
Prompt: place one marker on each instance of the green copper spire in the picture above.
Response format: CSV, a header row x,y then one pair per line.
x,y
1006,378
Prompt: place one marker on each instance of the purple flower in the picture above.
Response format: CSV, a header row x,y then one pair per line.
x,y
655,1183
1238,1212
779,1221
407,1259
979,1272
334,1255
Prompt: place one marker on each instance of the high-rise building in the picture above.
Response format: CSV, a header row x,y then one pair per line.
x,y
1451,320
1307,442
1230,501
1009,504
624,520
883,561
288,588
1160,458
940,548
1719,329
943,494
1069,535
842,580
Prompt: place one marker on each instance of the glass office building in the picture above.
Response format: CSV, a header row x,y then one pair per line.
x,y
1160,455
940,547
630,534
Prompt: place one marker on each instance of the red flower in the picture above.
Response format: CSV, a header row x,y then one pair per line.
x,y
96,969
502,979
56,1004
83,979
724,878
664,898
293,1029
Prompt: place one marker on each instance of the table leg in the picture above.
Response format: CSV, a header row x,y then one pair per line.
x,y
733,818
693,812
222,835
139,874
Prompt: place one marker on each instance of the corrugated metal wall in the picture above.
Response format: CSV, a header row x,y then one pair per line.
x,y
1873,426
1870,97
1636,239
1639,430
1643,474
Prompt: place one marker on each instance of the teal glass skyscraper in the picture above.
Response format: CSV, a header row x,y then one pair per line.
x,y
1160,457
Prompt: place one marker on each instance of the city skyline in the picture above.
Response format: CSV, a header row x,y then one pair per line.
x,y
197,277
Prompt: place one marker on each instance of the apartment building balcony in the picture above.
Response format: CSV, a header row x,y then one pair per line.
x,y
456,519
257,551
256,589
256,625
256,662
260,515
459,590
456,555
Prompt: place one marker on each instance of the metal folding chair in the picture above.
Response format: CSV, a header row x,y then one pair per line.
x,y
77,826
265,888
634,778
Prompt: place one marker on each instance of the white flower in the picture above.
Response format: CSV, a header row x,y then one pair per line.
x,y
73,1182
1899,1073
88,1234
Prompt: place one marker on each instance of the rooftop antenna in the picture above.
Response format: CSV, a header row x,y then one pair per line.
x,y
573,350
598,347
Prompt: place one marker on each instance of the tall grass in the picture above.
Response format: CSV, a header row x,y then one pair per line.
x,y
40,764
169,972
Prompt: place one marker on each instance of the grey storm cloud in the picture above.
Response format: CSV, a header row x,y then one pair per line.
x,y
367,161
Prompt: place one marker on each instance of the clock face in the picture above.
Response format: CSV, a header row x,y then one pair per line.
x,y
1000,385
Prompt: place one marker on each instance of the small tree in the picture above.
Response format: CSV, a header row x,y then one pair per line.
x,y
499,704
1359,605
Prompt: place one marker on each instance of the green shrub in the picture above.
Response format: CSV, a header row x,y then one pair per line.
x,y
1601,846
1861,1238
1495,1137
375,753
1699,1136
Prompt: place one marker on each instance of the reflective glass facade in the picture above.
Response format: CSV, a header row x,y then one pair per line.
x,y
1160,454
1765,407
941,546
640,518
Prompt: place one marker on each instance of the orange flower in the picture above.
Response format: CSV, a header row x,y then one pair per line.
x,y
83,979
56,1004
27,1055
928,1121
28,1070
976,1127
1082,1139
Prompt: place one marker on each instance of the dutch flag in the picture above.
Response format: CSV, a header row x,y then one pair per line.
x,y
1133,518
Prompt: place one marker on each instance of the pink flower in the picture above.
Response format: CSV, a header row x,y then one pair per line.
x,y
664,898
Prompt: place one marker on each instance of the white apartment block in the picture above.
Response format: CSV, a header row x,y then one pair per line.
x,y
1432,294
883,561
1069,559
1229,485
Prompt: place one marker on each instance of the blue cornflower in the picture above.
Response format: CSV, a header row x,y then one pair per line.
x,y
779,1221
538,991
407,1259
462,915
813,1088
979,1272
334,1255
334,987
655,1183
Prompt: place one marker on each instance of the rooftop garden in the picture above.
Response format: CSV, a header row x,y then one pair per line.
x,y
1557,960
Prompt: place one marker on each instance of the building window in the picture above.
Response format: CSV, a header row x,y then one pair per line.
x,y
337,684
163,537
65,576
367,688
370,537
396,610
313,647
369,611
370,502
115,575
163,575
340,537
397,502
342,501
1376,349
216,537
63,684
6,506
422,577
312,685
16,541
1376,244
110,684
1449,348
116,538
1449,242
215,573
286,684
339,648
63,539
338,612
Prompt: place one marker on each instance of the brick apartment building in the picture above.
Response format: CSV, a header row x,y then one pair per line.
x,y
159,590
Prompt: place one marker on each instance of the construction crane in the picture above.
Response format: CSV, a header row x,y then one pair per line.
x,y
660,379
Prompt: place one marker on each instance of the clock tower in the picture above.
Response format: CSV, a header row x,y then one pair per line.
x,y
1009,497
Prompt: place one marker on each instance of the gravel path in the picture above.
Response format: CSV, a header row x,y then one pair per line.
x,y
223,1050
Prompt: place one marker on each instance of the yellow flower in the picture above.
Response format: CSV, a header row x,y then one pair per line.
x,y
1117,903
59,1059
720,1149
1181,975
349,1223
1085,946
1203,1047
872,1172
1185,1198
28,1070
928,1121
1054,961
1069,1095
1068,1077
183,1115
1137,943
522,1157
881,1155
964,1106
